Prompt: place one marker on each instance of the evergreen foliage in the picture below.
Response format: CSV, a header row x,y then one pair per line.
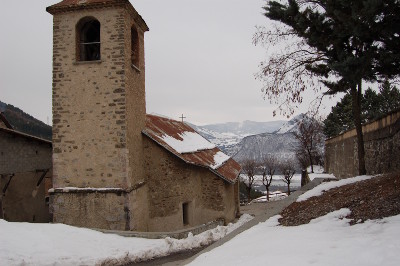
x,y
373,106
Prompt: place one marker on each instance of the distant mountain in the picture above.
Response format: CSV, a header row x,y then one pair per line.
x,y
24,122
245,128
227,135
254,140
291,125
281,142
257,146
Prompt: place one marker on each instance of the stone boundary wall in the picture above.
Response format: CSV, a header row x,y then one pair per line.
x,y
382,148
179,234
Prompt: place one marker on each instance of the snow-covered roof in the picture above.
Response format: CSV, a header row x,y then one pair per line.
x,y
188,142
184,142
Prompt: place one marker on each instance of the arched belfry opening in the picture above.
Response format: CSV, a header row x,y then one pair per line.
x,y
135,47
88,39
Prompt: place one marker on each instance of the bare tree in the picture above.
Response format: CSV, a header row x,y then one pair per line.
x,y
288,170
284,74
249,169
302,158
268,166
310,138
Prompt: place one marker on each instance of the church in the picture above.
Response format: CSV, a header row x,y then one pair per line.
x,y
114,166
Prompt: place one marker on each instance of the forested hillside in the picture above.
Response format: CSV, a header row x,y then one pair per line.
x,y
24,122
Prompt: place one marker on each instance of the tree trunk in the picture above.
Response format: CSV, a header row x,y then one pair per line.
x,y
305,179
248,194
288,189
311,161
267,189
356,102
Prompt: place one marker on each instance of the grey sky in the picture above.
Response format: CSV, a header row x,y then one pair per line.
x,y
200,60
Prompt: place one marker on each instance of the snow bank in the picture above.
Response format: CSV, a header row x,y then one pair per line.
x,y
59,244
318,190
207,237
273,196
327,240
191,142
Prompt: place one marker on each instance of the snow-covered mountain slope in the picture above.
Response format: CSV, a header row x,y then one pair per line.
x,y
281,143
245,128
258,146
291,125
227,135
254,140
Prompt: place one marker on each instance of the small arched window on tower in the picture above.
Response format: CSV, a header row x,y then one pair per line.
x,y
135,47
88,39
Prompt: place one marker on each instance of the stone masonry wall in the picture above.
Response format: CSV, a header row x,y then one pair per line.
x,y
171,182
93,210
135,122
20,154
24,199
98,115
89,106
135,101
381,143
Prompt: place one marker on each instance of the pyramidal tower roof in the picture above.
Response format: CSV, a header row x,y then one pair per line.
x,y
70,5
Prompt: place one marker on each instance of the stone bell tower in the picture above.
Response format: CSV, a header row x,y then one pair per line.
x,y
98,114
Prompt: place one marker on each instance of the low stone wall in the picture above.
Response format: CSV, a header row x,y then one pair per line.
x,y
382,148
179,234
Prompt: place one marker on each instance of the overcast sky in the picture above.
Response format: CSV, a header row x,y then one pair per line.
x,y
200,60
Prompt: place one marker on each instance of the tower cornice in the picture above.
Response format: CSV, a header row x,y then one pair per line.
x,y
74,5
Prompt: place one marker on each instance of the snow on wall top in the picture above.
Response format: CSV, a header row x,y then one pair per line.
x,y
184,142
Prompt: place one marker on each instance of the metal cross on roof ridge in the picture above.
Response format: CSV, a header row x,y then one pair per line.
x,y
182,117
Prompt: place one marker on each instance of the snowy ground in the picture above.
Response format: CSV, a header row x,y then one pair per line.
x,y
328,240
58,244
273,196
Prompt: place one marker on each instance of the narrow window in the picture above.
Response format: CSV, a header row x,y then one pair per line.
x,y
185,213
134,47
88,39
